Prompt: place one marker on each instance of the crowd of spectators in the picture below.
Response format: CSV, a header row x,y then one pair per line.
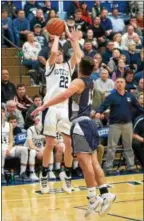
x,y
115,45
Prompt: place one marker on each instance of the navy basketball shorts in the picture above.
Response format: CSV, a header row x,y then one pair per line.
x,y
84,135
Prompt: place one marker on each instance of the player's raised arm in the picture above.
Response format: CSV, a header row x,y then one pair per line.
x,y
77,86
54,51
77,52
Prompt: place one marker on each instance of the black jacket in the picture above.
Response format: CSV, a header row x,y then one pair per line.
x,y
8,91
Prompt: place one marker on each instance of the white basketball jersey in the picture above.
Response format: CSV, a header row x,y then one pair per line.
x,y
58,78
5,134
34,135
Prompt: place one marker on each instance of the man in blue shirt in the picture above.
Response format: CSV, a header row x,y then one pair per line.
x,y
120,103
21,27
106,22
6,23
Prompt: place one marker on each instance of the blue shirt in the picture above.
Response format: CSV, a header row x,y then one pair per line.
x,y
106,24
8,22
120,107
20,25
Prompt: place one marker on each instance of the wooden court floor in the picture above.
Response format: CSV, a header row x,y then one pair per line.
x,y
25,203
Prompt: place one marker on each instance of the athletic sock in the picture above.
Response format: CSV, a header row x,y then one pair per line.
x,y
68,171
103,189
44,171
91,194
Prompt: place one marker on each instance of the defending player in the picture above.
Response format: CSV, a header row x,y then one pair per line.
x,y
84,135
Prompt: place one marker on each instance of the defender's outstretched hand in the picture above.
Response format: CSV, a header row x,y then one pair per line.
x,y
37,110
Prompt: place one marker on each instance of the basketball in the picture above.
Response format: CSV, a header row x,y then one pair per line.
x,y
55,26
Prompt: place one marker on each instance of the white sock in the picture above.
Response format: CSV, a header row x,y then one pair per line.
x,y
102,186
91,193
2,170
57,166
75,164
23,168
50,167
32,170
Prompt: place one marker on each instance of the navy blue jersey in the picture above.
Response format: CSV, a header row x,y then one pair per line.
x,y
81,104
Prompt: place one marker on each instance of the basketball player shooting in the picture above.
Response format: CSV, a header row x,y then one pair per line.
x,y
84,135
55,119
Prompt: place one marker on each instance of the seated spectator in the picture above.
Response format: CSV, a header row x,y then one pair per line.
x,y
99,32
140,98
22,99
10,8
37,101
141,61
97,70
8,90
38,19
113,63
138,43
30,9
117,41
106,23
13,121
121,69
139,75
85,13
130,82
104,84
7,30
31,50
138,139
117,23
133,22
127,37
81,39
74,5
140,21
52,14
96,9
133,56
62,39
35,142
90,37
47,8
140,87
79,23
12,110
88,49
21,28
8,150
98,57
108,53
39,36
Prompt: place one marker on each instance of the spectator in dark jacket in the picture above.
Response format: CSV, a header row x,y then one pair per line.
x,y
96,9
38,35
6,23
74,5
88,49
39,19
29,119
47,8
30,9
21,27
106,22
10,8
22,99
8,90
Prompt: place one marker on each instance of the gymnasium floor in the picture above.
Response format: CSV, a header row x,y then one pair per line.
x,y
25,203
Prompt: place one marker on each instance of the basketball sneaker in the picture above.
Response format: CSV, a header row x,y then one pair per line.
x,y
108,199
93,205
44,187
33,177
66,182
